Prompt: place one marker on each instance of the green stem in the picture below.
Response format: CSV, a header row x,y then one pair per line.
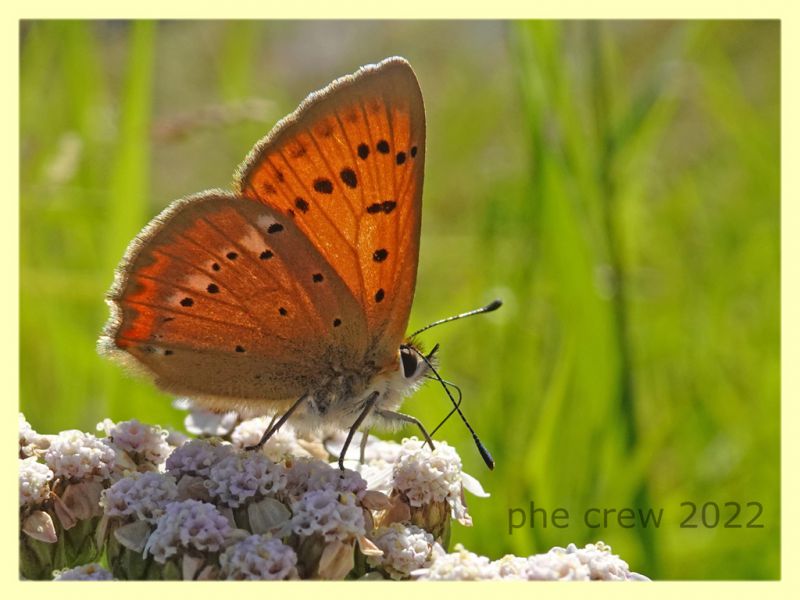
x,y
608,191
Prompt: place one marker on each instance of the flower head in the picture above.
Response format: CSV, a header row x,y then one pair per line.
x,y
196,457
459,565
249,432
188,525
204,422
30,442
143,497
377,452
599,561
426,476
511,567
259,557
406,548
34,478
76,455
550,566
307,474
142,442
90,572
26,432
281,444
595,561
239,477
335,515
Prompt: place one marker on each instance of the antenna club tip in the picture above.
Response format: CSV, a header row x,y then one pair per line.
x,y
485,455
494,305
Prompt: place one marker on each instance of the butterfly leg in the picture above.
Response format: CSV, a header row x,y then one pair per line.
x,y
391,415
363,446
368,404
274,427
272,421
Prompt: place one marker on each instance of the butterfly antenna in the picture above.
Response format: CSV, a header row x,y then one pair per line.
x,y
487,457
494,305
453,410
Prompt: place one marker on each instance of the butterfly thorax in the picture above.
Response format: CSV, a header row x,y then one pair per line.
x,y
340,396
338,388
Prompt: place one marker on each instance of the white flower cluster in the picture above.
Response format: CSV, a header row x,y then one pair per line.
x,y
34,482
427,476
241,476
208,509
188,525
600,561
79,456
196,457
334,514
377,452
204,422
26,431
142,496
380,452
281,444
593,562
249,432
259,557
90,572
29,440
308,474
406,548
138,440
461,565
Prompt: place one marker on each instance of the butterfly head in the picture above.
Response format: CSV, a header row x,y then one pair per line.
x,y
408,373
413,366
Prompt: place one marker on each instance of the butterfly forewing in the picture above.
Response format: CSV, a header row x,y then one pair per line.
x,y
224,297
347,168
305,274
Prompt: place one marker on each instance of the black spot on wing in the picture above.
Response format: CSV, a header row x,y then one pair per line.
x,y
301,205
323,185
349,178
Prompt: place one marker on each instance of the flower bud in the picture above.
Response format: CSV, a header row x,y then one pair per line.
x,y
39,525
337,560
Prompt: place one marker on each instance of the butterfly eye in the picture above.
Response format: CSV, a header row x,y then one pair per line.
x,y
409,362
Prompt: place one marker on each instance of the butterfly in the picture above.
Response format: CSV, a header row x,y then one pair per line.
x,y
291,295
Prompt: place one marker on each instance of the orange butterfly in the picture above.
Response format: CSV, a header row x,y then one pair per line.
x,y
291,295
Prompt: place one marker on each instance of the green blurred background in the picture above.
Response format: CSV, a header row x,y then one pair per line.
x,y
615,183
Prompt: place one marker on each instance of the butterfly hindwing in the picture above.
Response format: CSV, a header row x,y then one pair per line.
x,y
224,297
347,168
